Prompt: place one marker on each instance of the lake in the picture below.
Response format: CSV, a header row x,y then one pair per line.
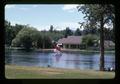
x,y
75,60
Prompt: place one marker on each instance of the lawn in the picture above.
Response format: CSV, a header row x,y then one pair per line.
x,y
25,72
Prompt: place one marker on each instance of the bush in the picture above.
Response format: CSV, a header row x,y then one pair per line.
x,y
89,40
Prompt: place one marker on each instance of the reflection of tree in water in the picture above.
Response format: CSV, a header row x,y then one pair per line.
x,y
51,58
87,53
90,62
46,60
77,61
8,56
69,59
110,61
113,64
84,60
55,59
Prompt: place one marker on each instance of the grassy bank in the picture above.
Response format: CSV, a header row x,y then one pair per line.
x,y
23,72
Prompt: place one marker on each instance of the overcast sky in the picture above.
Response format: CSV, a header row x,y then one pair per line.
x,y
41,16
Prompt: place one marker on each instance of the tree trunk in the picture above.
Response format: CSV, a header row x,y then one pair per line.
x,y
114,30
102,44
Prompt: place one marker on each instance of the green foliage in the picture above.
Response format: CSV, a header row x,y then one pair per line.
x,y
39,41
77,32
94,12
16,42
109,34
26,41
17,28
55,35
25,38
98,15
47,41
68,32
29,37
8,33
89,40
51,28
11,32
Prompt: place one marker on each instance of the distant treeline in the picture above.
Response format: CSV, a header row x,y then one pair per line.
x,y
27,37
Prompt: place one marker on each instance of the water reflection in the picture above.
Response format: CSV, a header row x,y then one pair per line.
x,y
60,60
77,62
58,56
8,56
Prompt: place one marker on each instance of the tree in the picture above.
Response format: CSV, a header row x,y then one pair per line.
x,y
47,41
26,42
77,32
16,42
88,28
89,40
25,38
98,15
17,28
108,34
113,34
9,33
68,32
40,41
51,28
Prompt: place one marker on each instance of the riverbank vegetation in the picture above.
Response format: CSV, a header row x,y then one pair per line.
x,y
23,72
28,37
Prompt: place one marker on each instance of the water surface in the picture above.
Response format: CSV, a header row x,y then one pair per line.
x,y
76,60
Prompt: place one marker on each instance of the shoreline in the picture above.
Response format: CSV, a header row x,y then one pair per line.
x,y
63,50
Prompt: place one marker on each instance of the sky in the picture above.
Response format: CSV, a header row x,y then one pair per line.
x,y
41,16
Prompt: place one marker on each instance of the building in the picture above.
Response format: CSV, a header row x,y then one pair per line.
x,y
71,42
108,43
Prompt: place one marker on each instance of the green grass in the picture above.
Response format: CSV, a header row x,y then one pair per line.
x,y
23,72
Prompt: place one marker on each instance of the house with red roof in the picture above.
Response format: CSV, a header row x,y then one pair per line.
x,y
71,42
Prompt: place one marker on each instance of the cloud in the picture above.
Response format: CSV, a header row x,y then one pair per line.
x,y
70,7
59,26
9,6
71,25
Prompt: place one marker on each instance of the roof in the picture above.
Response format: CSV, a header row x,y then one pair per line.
x,y
71,40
